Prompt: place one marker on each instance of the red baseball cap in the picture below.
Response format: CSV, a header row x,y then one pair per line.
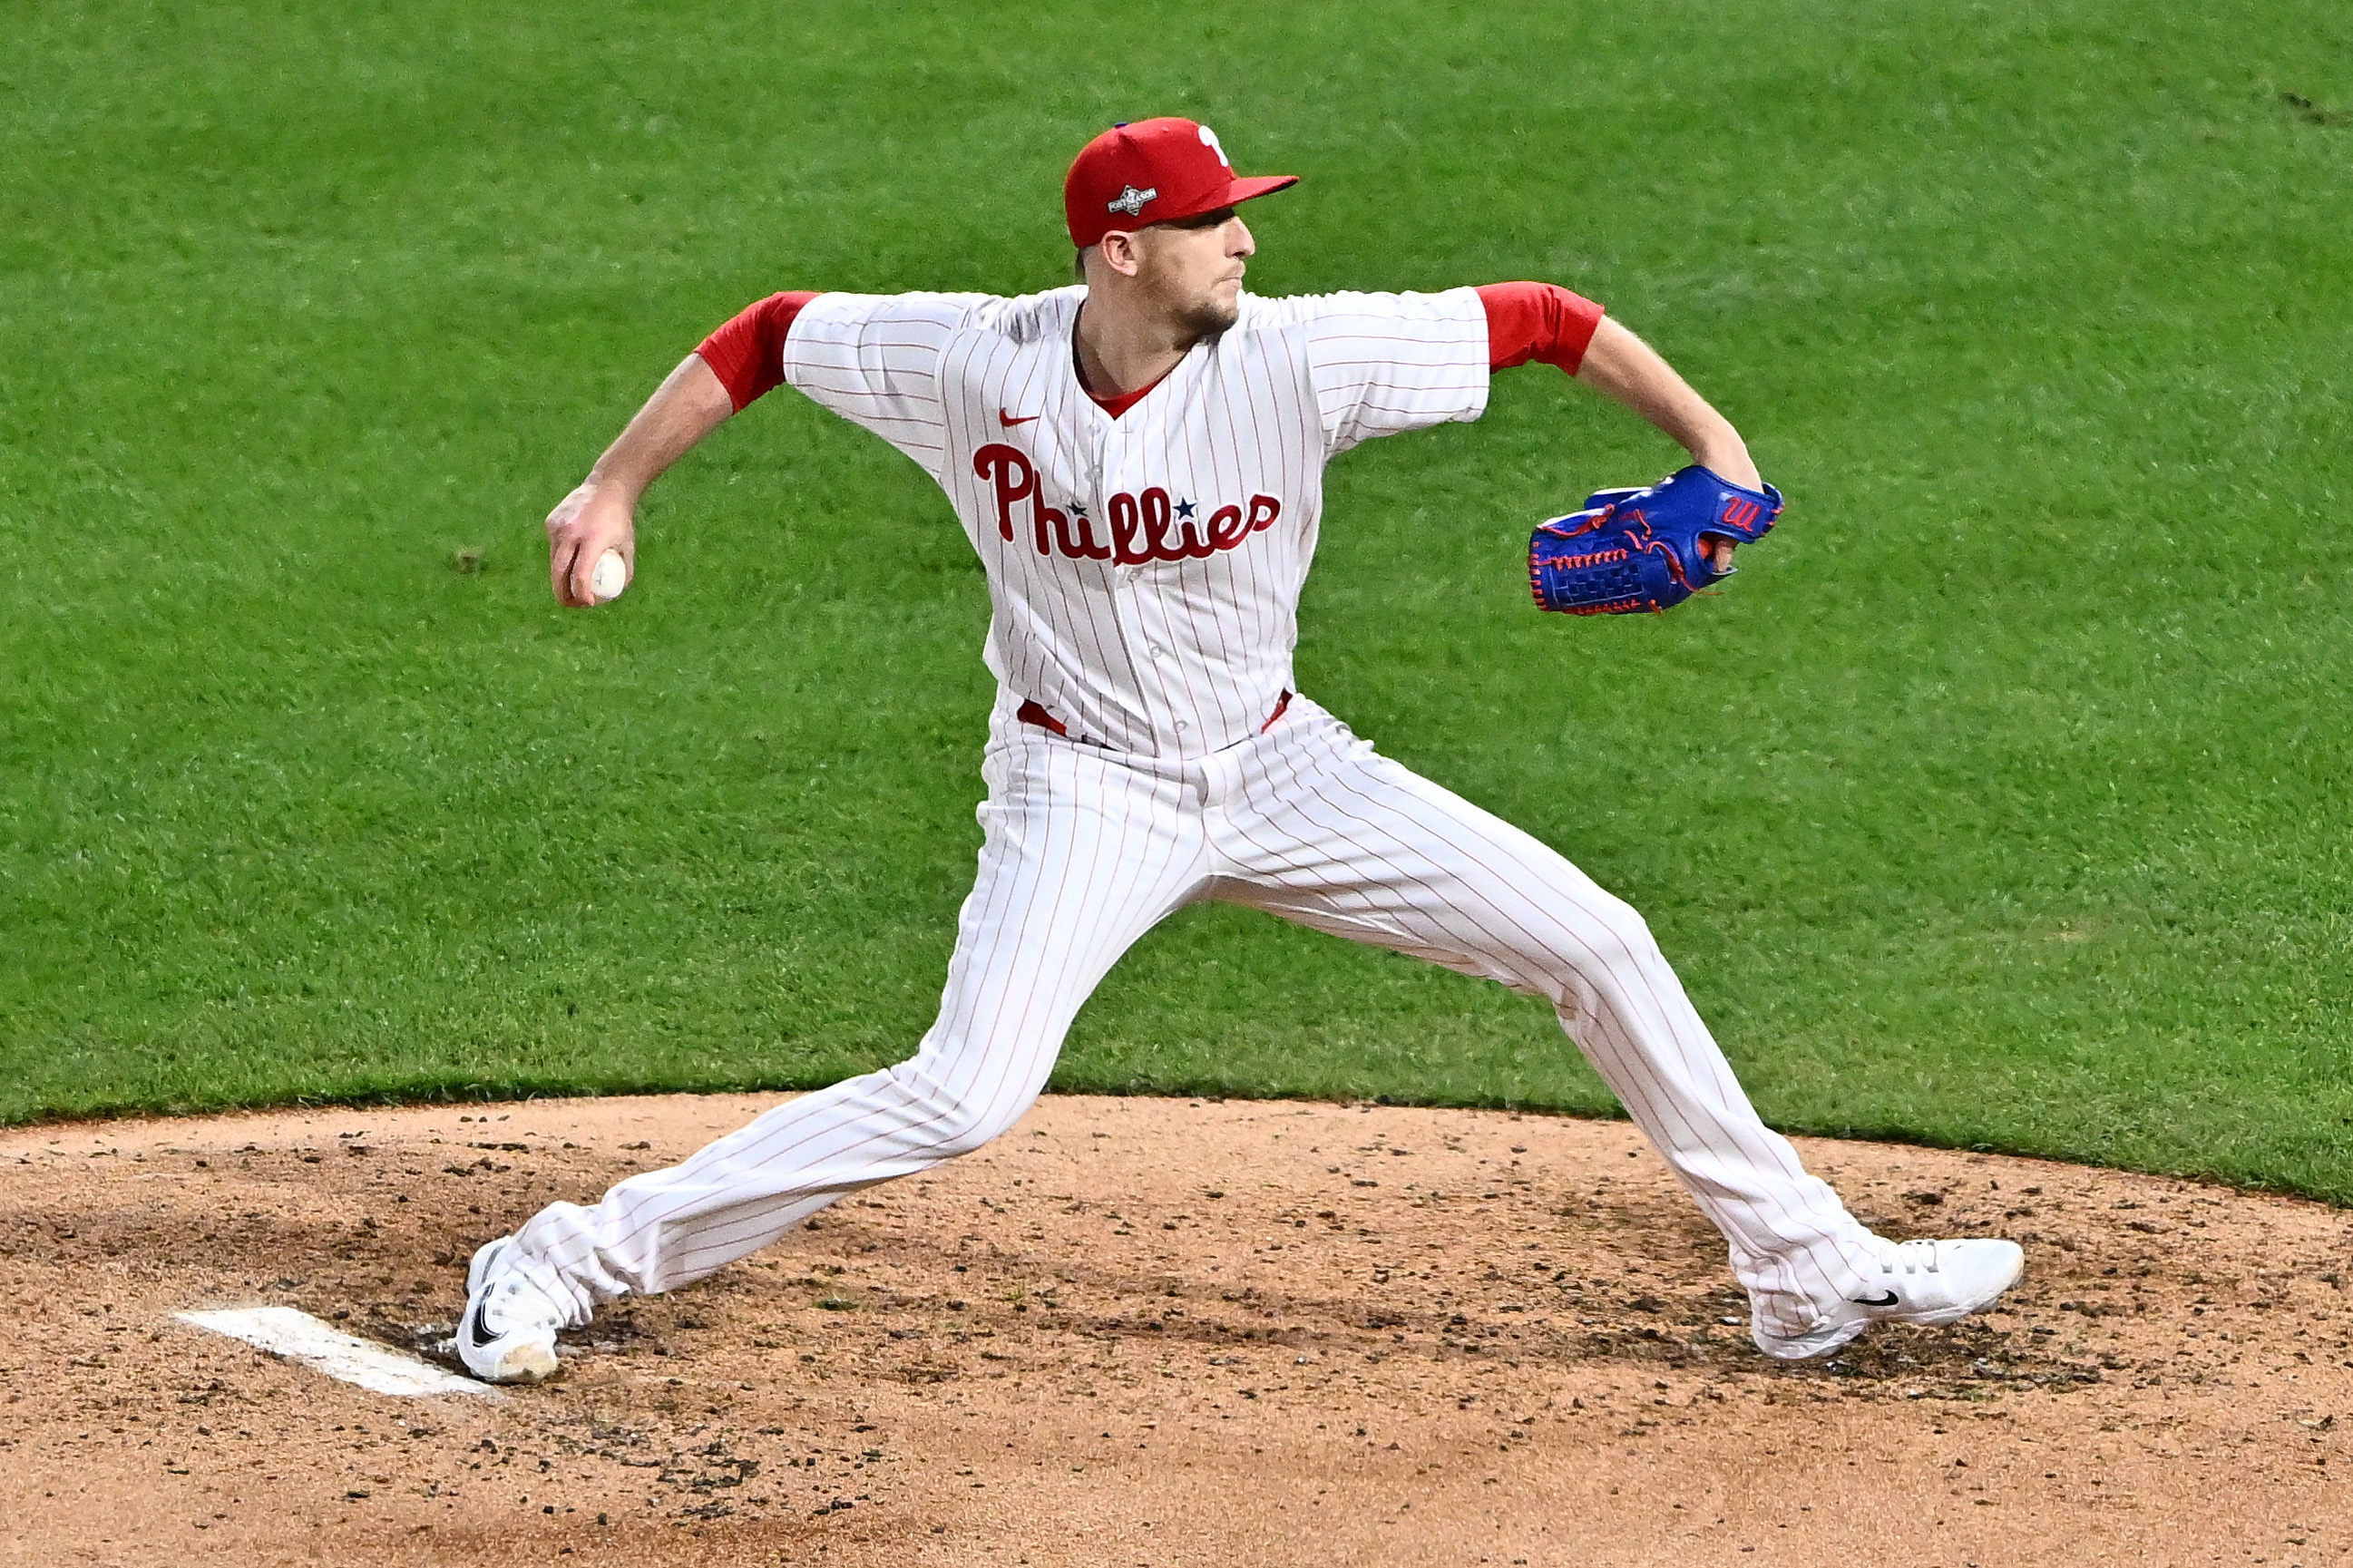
x,y
1150,172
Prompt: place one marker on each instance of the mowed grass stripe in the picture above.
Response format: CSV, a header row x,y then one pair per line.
x,y
1998,803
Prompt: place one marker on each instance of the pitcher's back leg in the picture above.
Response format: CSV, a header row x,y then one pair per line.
x,y
1081,857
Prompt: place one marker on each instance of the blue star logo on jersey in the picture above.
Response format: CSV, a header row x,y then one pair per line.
x,y
1185,509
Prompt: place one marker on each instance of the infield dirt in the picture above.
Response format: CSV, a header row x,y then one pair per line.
x,y
1155,1332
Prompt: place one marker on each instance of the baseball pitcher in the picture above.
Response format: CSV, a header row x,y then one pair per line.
x,y
1138,459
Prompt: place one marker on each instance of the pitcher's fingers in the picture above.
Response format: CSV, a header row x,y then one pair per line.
x,y
562,552
584,574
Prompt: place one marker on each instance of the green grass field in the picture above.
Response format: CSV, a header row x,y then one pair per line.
x,y
2002,804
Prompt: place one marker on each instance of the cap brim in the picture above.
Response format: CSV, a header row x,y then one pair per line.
x,y
1242,190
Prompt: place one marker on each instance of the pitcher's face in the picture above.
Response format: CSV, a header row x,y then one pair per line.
x,y
1191,270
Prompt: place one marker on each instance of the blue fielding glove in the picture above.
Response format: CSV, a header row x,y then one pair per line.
x,y
1633,551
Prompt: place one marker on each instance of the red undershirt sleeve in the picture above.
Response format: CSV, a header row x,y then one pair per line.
x,y
1537,321
747,354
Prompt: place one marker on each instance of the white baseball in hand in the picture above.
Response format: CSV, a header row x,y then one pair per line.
x,y
611,576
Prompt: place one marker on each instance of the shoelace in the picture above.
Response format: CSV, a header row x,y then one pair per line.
x,y
1910,1258
502,1297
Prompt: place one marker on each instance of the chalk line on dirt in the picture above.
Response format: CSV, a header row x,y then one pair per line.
x,y
300,1337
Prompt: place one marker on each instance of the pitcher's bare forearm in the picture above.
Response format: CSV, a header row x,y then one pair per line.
x,y
600,514
690,404
1623,367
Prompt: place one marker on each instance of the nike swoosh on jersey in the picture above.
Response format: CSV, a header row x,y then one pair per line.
x,y
1009,422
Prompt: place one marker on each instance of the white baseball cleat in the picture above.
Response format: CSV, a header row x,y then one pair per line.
x,y
1927,1282
507,1334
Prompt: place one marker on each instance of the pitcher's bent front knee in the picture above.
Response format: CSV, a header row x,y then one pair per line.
x,y
1601,962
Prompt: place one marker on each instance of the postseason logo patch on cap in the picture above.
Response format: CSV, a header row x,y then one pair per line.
x,y
1175,167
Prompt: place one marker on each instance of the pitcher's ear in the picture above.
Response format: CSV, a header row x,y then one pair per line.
x,y
1121,253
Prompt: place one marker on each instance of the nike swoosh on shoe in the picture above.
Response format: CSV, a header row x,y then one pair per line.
x,y
478,1333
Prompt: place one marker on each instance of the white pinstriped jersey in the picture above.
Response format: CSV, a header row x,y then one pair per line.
x,y
1143,572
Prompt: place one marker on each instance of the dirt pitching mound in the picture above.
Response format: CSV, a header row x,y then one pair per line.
x,y
1154,1333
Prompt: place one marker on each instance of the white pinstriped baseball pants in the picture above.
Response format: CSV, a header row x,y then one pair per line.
x,y
1085,850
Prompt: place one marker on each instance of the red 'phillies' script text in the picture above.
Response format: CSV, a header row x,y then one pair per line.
x,y
1142,528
